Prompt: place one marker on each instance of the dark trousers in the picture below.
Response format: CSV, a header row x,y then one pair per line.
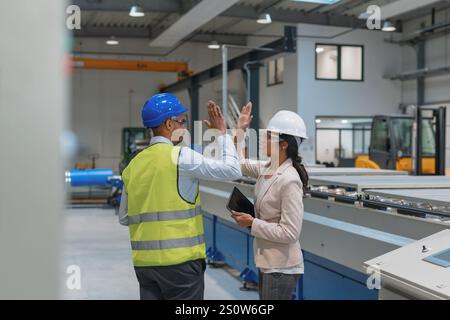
x,y
277,286
178,282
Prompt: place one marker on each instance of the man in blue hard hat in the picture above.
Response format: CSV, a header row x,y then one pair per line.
x,y
161,201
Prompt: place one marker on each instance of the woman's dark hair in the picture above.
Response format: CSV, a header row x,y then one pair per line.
x,y
292,153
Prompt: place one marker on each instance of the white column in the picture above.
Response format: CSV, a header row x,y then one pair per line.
x,y
33,103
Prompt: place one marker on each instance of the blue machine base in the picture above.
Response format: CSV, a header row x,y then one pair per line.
x,y
323,279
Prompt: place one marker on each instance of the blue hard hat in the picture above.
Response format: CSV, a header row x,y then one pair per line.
x,y
159,108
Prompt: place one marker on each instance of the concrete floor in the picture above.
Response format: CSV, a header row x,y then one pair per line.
x,y
99,245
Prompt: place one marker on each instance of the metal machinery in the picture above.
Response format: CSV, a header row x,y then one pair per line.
x,y
102,186
133,141
96,186
393,146
419,270
351,215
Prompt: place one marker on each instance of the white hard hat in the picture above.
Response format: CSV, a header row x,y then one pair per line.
x,y
288,122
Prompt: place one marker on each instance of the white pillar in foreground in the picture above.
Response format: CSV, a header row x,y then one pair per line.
x,y
33,103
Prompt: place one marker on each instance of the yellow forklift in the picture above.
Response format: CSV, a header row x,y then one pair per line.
x,y
392,143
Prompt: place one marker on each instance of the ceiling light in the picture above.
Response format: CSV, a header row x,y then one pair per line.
x,y
320,49
345,121
388,27
136,11
264,19
214,45
112,41
318,121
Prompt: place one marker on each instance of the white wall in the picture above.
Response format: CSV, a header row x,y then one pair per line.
x,y
374,95
281,96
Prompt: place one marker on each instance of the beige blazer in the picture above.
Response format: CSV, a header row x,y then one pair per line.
x,y
279,215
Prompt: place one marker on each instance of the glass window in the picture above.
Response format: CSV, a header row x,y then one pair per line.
x,y
351,63
403,136
358,141
271,73
339,62
428,138
280,70
347,144
367,136
340,139
275,70
327,63
380,136
328,140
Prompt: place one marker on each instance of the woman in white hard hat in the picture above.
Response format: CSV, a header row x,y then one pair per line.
x,y
280,186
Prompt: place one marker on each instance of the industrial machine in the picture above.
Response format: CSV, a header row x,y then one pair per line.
x,y
103,186
133,141
352,215
419,270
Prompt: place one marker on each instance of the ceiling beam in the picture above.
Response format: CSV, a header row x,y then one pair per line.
x,y
191,21
400,7
291,16
117,31
236,11
170,6
144,33
230,39
348,6
164,23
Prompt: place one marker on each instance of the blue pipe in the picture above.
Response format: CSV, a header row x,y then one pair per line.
x,y
92,177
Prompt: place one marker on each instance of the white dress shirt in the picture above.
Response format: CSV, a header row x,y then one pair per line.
x,y
193,166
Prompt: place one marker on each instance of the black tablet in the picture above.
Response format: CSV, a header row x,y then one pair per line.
x,y
240,203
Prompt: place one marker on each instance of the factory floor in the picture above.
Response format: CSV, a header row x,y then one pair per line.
x,y
95,242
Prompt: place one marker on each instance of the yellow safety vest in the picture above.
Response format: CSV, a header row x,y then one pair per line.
x,y
165,229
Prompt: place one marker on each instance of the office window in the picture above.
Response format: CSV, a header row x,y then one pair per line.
x,y
275,70
327,63
351,63
339,62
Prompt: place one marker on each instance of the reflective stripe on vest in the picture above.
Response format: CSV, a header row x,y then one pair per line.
x,y
164,228
164,216
167,244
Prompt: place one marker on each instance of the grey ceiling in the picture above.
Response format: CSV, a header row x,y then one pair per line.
x,y
102,18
